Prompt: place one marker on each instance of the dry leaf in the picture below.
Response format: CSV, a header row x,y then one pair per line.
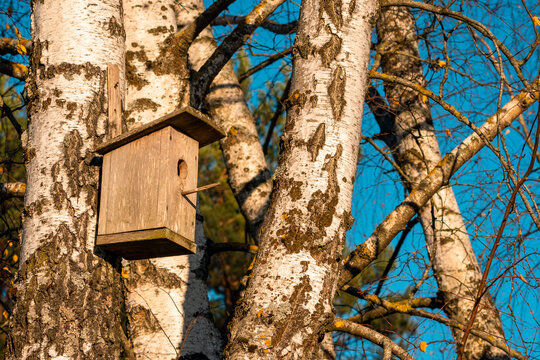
x,y
423,346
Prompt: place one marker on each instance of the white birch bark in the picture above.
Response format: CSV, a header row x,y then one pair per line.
x,y
249,176
409,132
167,300
68,295
288,301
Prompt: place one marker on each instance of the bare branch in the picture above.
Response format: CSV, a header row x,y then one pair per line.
x,y
369,334
203,78
397,220
275,27
482,289
13,69
9,114
272,59
406,307
215,248
473,23
14,189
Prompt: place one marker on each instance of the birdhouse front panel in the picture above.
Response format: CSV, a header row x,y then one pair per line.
x,y
142,188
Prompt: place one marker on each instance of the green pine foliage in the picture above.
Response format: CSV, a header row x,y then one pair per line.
x,y
11,170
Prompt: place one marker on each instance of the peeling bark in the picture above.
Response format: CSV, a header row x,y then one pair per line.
x,y
288,301
69,295
409,132
166,302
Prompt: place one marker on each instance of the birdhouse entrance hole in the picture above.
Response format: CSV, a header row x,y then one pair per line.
x,y
182,169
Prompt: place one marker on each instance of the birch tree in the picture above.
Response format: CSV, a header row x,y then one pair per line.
x,y
408,130
166,299
304,229
69,295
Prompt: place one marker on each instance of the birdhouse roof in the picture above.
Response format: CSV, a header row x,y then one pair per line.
x,y
187,120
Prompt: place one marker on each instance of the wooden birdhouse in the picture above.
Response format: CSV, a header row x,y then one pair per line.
x,y
146,207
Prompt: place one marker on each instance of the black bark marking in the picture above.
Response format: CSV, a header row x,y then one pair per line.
x,y
316,141
330,50
333,9
336,92
133,78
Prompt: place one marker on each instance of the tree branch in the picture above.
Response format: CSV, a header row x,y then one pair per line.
x,y
397,220
473,23
406,307
9,114
369,334
13,69
215,248
14,189
12,46
272,59
270,25
203,78
462,118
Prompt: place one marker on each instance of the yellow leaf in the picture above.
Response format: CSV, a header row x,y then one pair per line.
x,y
15,258
536,21
268,342
260,313
339,323
233,131
523,279
17,32
284,216
442,63
423,346
6,253
10,244
6,314
422,98
7,26
21,49
125,274
448,132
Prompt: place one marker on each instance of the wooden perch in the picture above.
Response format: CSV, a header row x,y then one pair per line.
x,y
201,188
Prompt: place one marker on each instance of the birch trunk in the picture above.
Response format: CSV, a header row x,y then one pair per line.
x,y
249,176
167,301
408,130
288,301
68,295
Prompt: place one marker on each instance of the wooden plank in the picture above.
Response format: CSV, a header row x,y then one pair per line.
x,y
132,188
186,120
114,97
105,191
181,210
146,244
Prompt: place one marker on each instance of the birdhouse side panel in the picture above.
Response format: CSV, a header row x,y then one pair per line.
x,y
129,198
179,173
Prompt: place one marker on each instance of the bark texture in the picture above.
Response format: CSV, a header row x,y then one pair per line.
x,y
167,301
408,130
68,296
249,176
288,301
